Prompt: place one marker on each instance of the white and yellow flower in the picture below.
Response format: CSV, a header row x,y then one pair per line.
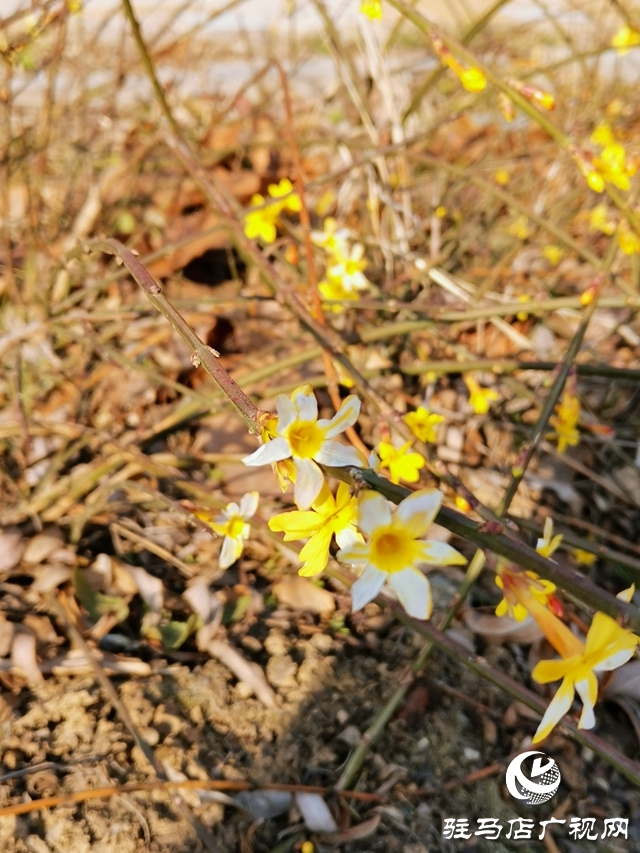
x,y
394,550
348,268
548,544
308,442
232,524
606,647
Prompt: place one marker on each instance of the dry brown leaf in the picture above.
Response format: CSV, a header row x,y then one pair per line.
x,y
42,546
355,833
23,657
12,545
301,594
501,629
243,670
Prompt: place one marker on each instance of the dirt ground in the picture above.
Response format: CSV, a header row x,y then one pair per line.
x,y
111,433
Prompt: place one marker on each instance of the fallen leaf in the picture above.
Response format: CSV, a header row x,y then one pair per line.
x,y
315,812
263,805
501,629
12,545
23,657
301,594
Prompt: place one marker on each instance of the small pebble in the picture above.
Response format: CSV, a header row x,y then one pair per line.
x,y
351,736
276,644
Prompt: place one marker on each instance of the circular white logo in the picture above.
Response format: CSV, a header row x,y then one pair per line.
x,y
541,783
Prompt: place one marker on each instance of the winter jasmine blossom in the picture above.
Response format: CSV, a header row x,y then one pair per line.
x,y
480,398
422,424
402,464
548,543
394,550
308,442
329,516
606,647
232,524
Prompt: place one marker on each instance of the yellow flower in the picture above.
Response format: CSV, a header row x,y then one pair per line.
x,y
327,517
564,423
232,524
462,504
602,135
289,200
595,181
472,79
348,268
625,38
554,254
440,211
261,224
333,288
332,239
599,219
628,241
612,165
372,9
402,465
522,315
480,398
422,424
606,647
584,558
300,436
549,543
627,594
502,177
394,550
584,162
520,228
518,586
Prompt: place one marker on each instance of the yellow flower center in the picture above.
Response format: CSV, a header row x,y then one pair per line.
x,y
235,527
392,549
305,439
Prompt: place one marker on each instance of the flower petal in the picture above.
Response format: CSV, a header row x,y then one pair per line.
x,y
345,417
546,671
231,550
366,587
315,554
373,511
347,536
615,659
588,691
418,510
306,404
296,525
440,554
358,552
558,707
607,644
309,480
413,591
287,412
270,452
339,455
249,504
